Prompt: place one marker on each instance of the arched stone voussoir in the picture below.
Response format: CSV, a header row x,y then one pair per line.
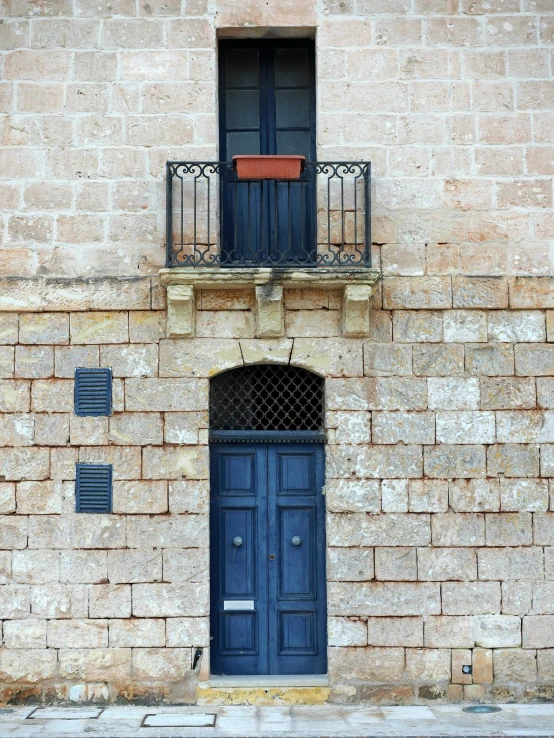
x,y
329,357
266,350
198,357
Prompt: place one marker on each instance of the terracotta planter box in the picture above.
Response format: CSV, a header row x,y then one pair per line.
x,y
268,167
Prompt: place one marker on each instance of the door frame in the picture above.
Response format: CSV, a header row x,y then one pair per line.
x,y
278,437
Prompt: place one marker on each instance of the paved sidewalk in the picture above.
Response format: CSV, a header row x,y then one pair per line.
x,y
271,722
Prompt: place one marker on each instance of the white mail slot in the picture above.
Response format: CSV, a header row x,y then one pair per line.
x,y
238,604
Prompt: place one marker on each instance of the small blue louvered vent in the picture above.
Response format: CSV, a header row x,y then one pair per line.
x,y
93,488
93,392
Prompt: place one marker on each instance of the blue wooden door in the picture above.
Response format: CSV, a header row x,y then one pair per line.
x,y
267,106
268,597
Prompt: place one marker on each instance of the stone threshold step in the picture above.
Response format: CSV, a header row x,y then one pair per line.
x,y
254,681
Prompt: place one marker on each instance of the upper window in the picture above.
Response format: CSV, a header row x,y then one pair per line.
x,y
267,107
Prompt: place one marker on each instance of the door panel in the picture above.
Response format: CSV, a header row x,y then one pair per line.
x,y
297,585
239,563
239,573
297,560
270,496
239,474
239,634
296,474
298,633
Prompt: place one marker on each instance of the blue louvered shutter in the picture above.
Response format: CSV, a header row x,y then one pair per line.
x,y
93,392
93,488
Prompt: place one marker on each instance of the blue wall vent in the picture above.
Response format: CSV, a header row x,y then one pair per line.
x,y
93,392
93,488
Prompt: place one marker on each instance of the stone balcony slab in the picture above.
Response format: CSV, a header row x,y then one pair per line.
x,y
183,284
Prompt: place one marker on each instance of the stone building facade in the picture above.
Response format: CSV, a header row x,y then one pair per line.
x,y
439,410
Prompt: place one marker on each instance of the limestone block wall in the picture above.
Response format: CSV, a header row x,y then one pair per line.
x,y
440,460
440,448
84,598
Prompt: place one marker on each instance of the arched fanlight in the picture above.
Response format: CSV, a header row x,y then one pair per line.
x,y
267,397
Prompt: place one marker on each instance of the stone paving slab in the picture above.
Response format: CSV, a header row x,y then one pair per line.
x,y
322,721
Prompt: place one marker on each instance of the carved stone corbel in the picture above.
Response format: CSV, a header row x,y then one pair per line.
x,y
181,311
270,322
355,309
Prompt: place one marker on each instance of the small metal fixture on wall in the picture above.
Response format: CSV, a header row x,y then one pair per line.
x,y
93,391
93,488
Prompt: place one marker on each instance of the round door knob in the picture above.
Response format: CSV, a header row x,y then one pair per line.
x,y
237,541
296,540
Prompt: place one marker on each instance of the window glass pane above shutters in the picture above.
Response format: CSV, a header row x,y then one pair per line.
x,y
293,143
93,392
292,68
242,68
243,109
93,488
243,143
292,109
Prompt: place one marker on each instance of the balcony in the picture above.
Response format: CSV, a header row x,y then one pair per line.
x,y
322,219
268,234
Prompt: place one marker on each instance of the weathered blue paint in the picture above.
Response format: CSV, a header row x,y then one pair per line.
x,y
270,496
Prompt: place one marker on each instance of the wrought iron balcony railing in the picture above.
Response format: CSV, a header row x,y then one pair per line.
x,y
323,219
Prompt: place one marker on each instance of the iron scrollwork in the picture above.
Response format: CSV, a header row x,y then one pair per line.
x,y
321,220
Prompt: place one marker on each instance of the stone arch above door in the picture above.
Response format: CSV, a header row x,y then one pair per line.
x,y
208,357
